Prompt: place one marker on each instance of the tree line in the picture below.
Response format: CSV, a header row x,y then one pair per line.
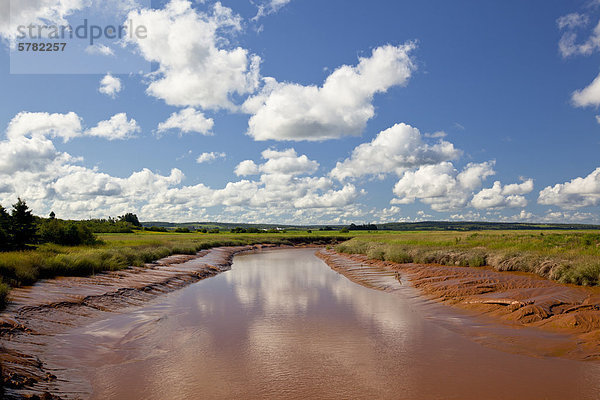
x,y
20,229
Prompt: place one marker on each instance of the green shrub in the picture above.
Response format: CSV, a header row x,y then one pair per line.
x,y
65,233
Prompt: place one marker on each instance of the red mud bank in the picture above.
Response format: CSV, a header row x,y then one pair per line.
x,y
53,306
513,298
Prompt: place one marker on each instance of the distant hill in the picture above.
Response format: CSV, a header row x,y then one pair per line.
x,y
392,226
476,226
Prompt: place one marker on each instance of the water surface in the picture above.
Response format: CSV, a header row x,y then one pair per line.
x,y
282,324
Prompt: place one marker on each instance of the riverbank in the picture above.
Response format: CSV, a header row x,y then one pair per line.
x,y
518,299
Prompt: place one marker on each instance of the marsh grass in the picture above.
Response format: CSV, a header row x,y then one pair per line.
x,y
567,257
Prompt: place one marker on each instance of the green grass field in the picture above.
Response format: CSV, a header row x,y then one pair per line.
x,y
565,256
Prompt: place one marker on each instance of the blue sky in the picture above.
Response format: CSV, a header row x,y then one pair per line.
x,y
302,111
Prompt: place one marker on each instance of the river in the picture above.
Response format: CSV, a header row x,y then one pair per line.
x,y
282,324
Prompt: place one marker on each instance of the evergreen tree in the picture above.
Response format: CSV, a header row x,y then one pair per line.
x,y
22,224
5,237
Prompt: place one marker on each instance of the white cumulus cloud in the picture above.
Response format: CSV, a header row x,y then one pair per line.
x,y
246,167
588,96
330,199
499,196
393,150
38,12
117,127
518,188
196,67
287,162
208,157
442,186
577,193
340,107
188,120
110,86
36,124
26,155
68,126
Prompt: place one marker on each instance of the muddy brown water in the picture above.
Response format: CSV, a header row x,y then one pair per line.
x,y
282,324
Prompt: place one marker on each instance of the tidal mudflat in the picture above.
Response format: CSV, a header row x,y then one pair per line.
x,y
282,324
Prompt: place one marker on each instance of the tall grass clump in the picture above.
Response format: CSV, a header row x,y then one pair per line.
x,y
20,268
397,255
376,251
352,247
585,274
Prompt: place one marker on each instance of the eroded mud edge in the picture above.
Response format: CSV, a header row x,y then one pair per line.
x,y
510,298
